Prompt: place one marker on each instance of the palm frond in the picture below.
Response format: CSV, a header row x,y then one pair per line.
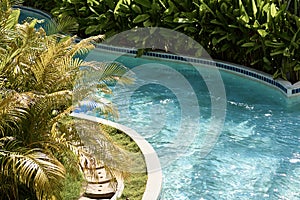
x,y
43,109
53,101
41,72
65,24
96,79
105,150
14,109
108,72
27,115
53,71
32,167
99,105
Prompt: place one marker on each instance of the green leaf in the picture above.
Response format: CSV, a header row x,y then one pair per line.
x,y
163,4
233,26
295,36
190,29
203,4
91,29
266,7
33,23
249,44
124,7
273,10
276,74
279,73
224,7
168,19
116,11
181,26
12,19
170,9
286,52
141,18
136,9
140,52
92,2
155,7
295,44
225,47
222,32
254,8
214,41
266,60
221,17
145,3
215,21
255,62
274,44
297,67
94,11
221,39
183,20
262,32
244,16
276,53
256,24
147,23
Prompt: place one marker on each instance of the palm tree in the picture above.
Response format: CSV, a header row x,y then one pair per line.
x,y
37,77
29,169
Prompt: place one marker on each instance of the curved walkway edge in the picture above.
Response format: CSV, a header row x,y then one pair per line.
x,y
154,172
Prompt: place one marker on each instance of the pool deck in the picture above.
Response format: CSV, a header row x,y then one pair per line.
x,y
154,171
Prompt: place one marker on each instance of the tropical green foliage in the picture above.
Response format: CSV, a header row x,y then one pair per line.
x,y
259,33
45,5
256,33
37,76
113,16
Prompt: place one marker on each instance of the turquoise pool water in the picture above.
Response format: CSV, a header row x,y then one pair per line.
x,y
27,14
257,155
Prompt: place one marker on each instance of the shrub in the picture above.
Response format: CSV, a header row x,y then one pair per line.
x,y
261,34
37,78
258,33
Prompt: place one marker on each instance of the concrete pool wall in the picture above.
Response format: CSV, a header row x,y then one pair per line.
x,y
288,89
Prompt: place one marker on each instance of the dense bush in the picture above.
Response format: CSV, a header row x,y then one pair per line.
x,y
44,5
263,34
40,147
257,33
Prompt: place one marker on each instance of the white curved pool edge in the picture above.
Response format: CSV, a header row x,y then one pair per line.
x,y
282,85
288,89
154,182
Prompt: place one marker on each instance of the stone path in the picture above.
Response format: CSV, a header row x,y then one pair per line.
x,y
100,183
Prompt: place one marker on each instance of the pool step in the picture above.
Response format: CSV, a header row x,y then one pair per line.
x,y
100,183
100,191
99,176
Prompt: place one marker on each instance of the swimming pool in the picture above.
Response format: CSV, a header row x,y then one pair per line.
x,y
257,155
27,13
